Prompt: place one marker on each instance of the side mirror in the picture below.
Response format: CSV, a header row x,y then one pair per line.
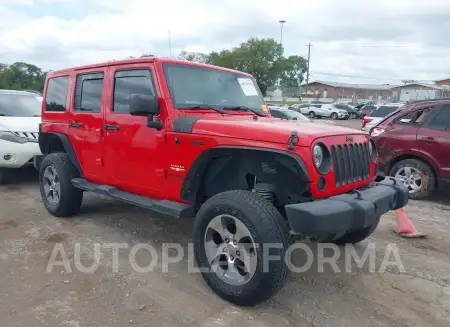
x,y
143,105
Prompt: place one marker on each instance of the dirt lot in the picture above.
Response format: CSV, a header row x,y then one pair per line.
x,y
419,296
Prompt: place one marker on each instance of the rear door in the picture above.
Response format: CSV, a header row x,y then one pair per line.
x,y
434,139
86,123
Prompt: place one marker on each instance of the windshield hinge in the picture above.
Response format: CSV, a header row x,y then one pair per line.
x,y
293,139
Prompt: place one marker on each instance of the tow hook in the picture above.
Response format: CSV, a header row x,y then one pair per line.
x,y
293,139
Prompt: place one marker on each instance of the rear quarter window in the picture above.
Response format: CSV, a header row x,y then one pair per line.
x,y
382,111
56,97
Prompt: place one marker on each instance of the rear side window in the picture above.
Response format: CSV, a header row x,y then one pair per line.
x,y
56,97
129,82
88,93
442,120
276,114
382,111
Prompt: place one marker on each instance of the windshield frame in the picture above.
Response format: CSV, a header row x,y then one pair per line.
x,y
28,112
185,106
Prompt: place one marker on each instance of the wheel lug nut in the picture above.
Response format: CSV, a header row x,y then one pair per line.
x,y
238,253
224,249
227,240
234,242
231,258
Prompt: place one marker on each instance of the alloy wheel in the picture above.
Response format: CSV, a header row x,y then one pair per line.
x,y
52,186
411,177
230,250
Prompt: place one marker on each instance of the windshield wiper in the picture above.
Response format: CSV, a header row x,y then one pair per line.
x,y
260,114
205,107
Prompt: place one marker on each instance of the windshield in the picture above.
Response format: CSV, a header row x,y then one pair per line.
x,y
20,105
383,111
294,114
192,85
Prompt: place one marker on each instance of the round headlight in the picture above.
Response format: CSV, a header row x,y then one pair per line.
x,y
373,151
317,155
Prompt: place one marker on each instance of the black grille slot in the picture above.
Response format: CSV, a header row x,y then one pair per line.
x,y
350,163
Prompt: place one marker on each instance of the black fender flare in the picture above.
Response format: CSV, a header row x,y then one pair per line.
x,y
194,178
44,145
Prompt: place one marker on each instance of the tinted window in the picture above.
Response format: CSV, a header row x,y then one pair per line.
x,y
57,94
276,114
89,93
382,111
296,115
20,105
127,83
442,120
192,86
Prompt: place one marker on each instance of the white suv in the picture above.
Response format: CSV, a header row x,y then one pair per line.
x,y
324,110
20,116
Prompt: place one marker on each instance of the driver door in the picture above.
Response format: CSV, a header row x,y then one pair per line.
x,y
134,152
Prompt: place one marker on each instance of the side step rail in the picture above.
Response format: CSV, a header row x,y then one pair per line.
x,y
170,208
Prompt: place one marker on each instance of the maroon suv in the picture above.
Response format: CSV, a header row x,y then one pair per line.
x,y
414,145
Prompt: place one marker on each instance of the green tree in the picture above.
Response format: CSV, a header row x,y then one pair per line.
x,y
193,56
22,76
293,70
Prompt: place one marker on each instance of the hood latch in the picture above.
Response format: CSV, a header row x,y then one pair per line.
x,y
293,139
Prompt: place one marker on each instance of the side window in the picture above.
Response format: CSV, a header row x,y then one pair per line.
x,y
442,120
56,97
413,118
88,93
128,82
276,114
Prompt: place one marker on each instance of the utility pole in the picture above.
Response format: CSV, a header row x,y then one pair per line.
x,y
309,45
170,45
281,36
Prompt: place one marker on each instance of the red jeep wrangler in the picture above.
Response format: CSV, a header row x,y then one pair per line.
x,y
192,140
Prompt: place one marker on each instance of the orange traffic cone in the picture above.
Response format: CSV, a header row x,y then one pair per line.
x,y
405,227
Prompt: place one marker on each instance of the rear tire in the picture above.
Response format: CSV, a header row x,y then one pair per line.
x,y
427,182
60,197
311,115
264,225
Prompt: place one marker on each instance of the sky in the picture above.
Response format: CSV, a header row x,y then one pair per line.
x,y
354,41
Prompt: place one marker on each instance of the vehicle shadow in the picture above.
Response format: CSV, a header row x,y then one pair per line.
x,y
21,177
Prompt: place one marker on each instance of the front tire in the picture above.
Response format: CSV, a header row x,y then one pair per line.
x,y
60,197
417,176
334,116
231,233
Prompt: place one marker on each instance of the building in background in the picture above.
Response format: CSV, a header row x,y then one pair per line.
x,y
336,90
419,91
443,82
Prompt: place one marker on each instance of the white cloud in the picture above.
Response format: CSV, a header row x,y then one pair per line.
x,y
373,41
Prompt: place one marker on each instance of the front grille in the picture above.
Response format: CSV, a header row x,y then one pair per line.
x,y
30,136
350,163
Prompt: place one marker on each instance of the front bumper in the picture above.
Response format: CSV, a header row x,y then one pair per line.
x,y
16,155
344,213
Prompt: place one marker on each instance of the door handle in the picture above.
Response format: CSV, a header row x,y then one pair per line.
x,y
112,127
430,139
75,124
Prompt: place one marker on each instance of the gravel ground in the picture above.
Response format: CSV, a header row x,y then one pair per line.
x,y
419,295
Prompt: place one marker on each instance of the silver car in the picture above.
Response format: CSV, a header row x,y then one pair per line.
x,y
378,114
324,110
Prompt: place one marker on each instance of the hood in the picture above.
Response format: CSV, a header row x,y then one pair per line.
x,y
20,124
267,129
